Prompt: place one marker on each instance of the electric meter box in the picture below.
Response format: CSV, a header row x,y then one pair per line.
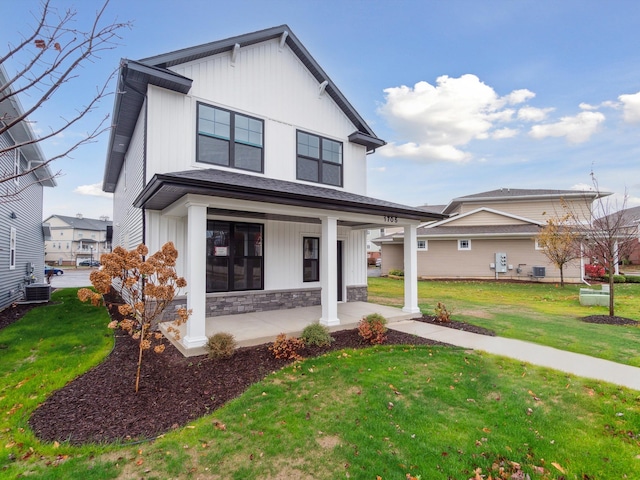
x,y
501,263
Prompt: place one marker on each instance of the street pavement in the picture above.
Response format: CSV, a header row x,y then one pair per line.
x,y
72,277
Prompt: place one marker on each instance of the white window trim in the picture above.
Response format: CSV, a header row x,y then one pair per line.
x,y
468,247
426,245
16,166
537,245
12,248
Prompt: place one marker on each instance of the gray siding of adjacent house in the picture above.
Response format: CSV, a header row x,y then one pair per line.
x,y
29,237
127,219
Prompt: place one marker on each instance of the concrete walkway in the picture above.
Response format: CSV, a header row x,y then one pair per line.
x,y
574,363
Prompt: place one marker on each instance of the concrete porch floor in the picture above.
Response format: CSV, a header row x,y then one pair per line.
x,y
262,327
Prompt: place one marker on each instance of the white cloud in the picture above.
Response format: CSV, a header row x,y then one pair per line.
x,y
504,133
533,114
438,120
576,129
94,190
631,107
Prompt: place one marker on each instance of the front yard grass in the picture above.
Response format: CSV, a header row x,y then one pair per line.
x,y
388,411
541,313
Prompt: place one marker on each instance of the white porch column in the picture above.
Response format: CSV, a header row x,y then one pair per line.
x,y
329,271
410,270
196,273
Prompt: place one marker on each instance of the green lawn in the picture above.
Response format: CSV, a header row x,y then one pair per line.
x,y
436,412
540,313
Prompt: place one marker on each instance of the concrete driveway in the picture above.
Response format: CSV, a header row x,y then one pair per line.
x,y
72,277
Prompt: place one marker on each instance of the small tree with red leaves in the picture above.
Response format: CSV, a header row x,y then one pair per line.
x,y
147,285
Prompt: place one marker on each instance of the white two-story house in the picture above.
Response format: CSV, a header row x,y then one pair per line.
x,y
246,155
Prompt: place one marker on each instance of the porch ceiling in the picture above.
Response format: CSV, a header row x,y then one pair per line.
x,y
165,189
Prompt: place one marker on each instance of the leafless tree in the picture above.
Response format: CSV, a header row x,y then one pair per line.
x,y
38,66
606,234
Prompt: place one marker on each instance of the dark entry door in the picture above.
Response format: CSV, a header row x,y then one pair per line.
x,y
339,260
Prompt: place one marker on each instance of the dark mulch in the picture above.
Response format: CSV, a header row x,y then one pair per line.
x,y
607,320
15,312
101,405
457,325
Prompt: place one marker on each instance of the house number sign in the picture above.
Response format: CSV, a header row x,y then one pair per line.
x,y
390,219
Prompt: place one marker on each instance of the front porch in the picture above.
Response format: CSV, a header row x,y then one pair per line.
x,y
262,327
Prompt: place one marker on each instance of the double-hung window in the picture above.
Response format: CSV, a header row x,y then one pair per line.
x,y
230,139
319,159
12,249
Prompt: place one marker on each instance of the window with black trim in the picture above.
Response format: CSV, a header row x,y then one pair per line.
x,y
318,159
12,248
230,139
234,256
311,259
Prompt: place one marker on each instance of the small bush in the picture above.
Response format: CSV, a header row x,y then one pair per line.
x,y
633,279
287,347
593,270
616,278
396,272
221,345
442,314
316,335
372,328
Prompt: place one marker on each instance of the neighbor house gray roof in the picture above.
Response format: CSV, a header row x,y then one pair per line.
x,y
84,223
164,189
521,194
135,76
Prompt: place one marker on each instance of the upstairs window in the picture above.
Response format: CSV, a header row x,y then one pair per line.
x,y
229,139
464,244
319,159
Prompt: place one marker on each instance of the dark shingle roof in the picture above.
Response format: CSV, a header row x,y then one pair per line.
x,y
164,189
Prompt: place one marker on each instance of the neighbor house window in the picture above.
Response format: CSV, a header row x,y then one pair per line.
x,y
537,245
423,245
229,139
311,259
234,256
12,249
16,166
464,244
319,159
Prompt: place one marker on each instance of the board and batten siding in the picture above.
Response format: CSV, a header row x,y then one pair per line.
x,y
127,219
266,82
28,227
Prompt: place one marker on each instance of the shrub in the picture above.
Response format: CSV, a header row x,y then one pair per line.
x,y
594,270
221,345
396,272
616,278
442,314
287,347
316,334
372,328
633,279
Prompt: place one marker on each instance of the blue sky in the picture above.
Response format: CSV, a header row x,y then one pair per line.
x,y
470,95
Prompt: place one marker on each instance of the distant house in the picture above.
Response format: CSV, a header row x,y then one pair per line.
x,y
246,155
74,239
627,223
21,233
490,235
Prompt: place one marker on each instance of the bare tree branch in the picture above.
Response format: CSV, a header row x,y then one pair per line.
x,y
50,58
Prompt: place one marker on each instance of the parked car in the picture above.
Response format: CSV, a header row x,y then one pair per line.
x,y
89,263
378,262
52,270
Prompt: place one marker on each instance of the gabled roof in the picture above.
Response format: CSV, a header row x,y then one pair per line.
x,y
135,76
83,223
457,218
164,189
22,133
522,194
630,218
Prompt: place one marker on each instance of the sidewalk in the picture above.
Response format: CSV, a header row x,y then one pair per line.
x,y
574,363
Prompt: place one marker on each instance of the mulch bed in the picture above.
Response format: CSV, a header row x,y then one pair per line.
x,y
607,320
102,406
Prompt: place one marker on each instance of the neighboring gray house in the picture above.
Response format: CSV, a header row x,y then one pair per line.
x,y
74,239
21,232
